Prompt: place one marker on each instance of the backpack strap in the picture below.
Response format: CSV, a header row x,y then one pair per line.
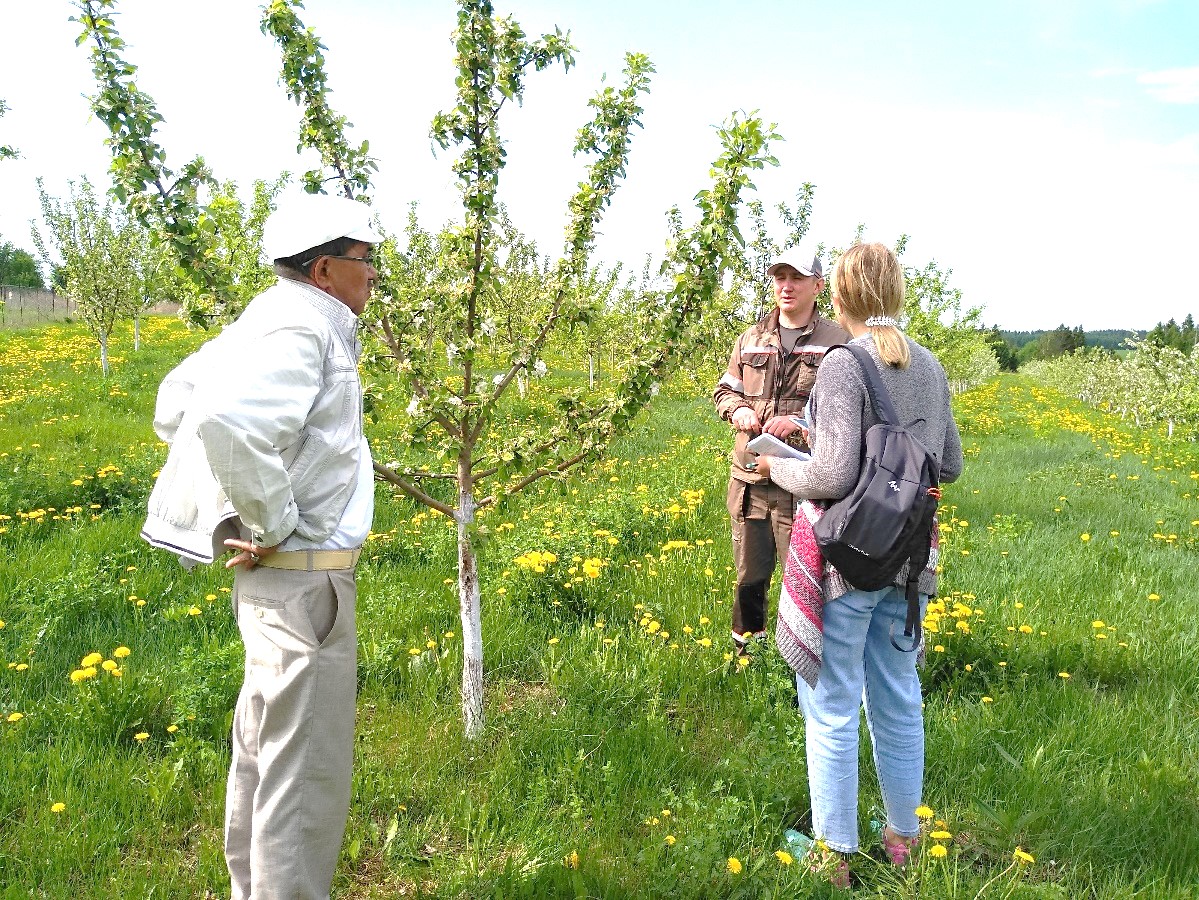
x,y
880,397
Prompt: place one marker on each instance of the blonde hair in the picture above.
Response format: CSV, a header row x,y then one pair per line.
x,y
868,283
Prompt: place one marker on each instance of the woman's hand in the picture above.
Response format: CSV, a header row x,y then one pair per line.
x,y
763,467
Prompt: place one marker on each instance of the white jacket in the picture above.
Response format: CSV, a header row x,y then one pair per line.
x,y
264,423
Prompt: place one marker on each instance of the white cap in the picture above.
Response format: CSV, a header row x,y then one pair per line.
x,y
303,221
802,259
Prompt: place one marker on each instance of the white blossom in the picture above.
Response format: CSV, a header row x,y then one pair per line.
x,y
539,368
488,327
654,388
451,350
414,407
496,379
455,401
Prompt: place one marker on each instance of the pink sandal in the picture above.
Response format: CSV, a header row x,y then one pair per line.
x,y
831,865
899,849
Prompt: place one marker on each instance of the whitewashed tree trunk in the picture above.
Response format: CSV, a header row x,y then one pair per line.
x,y
522,384
137,332
591,371
470,613
103,338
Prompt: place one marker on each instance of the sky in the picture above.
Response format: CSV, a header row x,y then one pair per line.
x,y
1045,151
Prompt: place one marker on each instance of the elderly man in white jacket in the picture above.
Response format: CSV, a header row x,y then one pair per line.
x,y
267,458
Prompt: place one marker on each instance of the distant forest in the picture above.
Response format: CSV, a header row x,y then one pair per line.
x,y
1014,348
1111,338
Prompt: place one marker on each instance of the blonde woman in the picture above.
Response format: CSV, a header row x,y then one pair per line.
x,y
859,665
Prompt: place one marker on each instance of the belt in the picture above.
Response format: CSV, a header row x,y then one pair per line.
x,y
312,560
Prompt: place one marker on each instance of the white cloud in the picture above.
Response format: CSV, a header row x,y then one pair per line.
x,y
1172,85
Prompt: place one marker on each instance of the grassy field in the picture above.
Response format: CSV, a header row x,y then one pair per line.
x,y
626,753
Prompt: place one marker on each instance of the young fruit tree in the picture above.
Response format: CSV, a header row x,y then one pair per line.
x,y
100,253
454,422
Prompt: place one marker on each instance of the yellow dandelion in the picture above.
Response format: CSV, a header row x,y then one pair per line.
x,y
1021,856
937,851
571,860
1154,597
784,857
940,835
15,717
1084,537
141,736
414,651
58,807
733,866
670,840
988,700
924,812
171,729
193,610
90,660
743,661
1063,674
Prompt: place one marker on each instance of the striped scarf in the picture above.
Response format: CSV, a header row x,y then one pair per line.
x,y
799,632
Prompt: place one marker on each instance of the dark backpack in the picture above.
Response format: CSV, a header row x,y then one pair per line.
x,y
887,519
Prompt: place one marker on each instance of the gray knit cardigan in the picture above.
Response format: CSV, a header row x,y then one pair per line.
x,y
840,413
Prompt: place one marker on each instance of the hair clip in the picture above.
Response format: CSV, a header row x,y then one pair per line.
x,y
881,320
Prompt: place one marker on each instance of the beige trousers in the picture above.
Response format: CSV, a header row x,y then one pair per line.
x,y
293,733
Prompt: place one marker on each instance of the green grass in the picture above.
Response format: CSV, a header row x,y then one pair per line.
x,y
611,727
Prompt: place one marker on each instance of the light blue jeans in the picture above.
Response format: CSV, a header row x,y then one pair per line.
x,y
859,665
